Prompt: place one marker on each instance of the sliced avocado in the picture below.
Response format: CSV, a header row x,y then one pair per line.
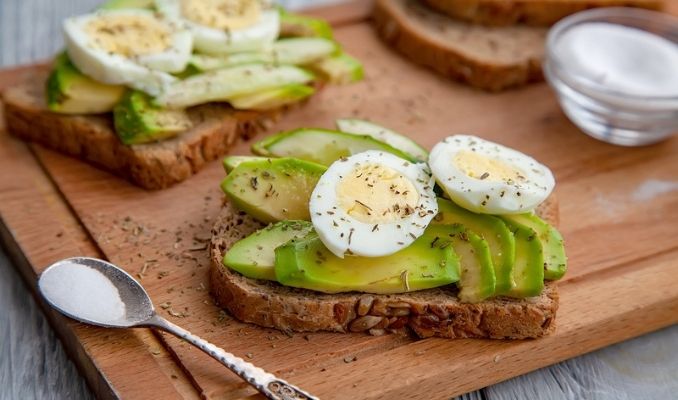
x,y
321,146
205,62
528,268
225,84
306,263
231,162
294,51
123,4
254,256
296,25
477,273
71,92
270,99
555,260
274,189
302,51
138,121
400,142
495,232
339,69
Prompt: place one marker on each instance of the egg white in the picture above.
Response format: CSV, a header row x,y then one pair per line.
x,y
146,72
256,37
343,234
486,194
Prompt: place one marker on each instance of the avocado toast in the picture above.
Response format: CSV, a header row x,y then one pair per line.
x,y
452,273
153,93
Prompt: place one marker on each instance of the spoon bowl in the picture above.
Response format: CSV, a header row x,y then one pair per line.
x,y
77,287
97,292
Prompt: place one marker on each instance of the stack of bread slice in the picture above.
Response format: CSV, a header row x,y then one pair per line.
x,y
488,44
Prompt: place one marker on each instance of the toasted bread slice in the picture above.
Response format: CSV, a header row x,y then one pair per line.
x,y
530,12
92,137
484,57
433,312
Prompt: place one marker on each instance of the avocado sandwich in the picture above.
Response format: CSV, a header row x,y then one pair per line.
x,y
151,90
360,229
488,44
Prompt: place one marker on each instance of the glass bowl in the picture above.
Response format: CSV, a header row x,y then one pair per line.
x,y
614,113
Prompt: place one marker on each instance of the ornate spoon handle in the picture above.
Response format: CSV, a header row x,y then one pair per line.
x,y
270,386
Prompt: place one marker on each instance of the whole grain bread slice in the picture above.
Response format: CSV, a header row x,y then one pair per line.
x,y
530,12
488,58
92,137
433,312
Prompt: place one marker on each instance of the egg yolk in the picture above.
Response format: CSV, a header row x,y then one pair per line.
x,y
222,14
128,36
484,168
375,194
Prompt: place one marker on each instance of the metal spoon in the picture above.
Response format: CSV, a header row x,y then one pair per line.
x,y
99,293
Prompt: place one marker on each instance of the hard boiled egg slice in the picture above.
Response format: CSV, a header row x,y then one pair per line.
x,y
372,204
129,47
225,26
489,178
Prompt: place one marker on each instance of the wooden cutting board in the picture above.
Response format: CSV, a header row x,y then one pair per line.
x,y
619,216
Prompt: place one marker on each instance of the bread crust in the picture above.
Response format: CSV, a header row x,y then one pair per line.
x,y
529,12
92,137
433,312
487,58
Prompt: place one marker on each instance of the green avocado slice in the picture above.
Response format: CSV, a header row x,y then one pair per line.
x,y
495,232
272,98
555,260
378,132
302,51
306,263
339,69
322,146
528,269
254,256
208,62
294,51
138,121
225,84
71,92
273,189
477,281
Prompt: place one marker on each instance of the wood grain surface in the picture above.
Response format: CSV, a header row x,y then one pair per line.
x,y
619,220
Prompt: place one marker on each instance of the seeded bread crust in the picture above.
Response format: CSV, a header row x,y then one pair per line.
x,y
530,12
488,58
92,137
433,312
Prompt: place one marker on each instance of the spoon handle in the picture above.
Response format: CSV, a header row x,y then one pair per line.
x,y
270,386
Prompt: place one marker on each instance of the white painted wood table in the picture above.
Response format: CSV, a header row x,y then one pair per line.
x,y
33,364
